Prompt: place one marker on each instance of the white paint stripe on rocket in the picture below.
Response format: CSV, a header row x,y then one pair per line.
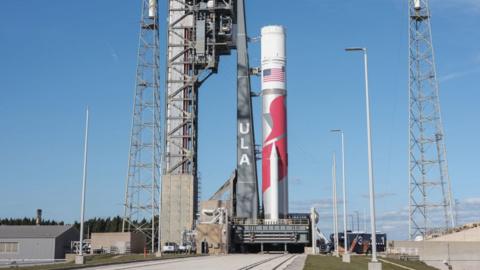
x,y
273,190
266,200
283,197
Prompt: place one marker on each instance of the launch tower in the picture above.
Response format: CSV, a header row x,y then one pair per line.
x,y
199,32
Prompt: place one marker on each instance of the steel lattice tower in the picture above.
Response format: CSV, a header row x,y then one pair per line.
x,y
430,208
142,192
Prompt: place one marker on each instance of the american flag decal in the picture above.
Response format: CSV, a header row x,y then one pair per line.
x,y
274,75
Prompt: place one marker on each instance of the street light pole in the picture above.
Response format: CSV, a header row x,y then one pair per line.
x,y
346,255
335,209
364,220
80,259
358,220
352,224
374,263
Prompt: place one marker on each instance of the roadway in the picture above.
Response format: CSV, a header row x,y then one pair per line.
x,y
229,262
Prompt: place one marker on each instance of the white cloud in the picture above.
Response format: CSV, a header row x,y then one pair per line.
x,y
465,5
471,201
113,53
459,74
305,205
380,195
468,210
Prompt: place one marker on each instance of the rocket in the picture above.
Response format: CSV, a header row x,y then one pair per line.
x,y
274,124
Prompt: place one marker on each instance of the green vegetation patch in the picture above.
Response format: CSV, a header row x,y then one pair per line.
x,y
98,260
357,263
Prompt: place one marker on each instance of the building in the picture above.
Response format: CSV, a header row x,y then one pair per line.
x,y
118,243
212,235
36,243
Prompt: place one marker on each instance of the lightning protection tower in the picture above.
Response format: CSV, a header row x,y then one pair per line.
x,y
430,206
142,192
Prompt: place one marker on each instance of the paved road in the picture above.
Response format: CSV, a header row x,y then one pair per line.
x,y
230,262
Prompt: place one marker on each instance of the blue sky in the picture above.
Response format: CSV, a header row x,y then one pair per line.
x,y
58,56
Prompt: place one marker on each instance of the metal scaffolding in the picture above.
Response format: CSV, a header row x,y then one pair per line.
x,y
142,191
430,201
199,32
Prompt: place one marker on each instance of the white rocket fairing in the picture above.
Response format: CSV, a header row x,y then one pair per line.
x,y
274,153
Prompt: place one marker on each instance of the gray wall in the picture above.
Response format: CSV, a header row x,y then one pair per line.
x,y
62,243
118,239
31,249
462,255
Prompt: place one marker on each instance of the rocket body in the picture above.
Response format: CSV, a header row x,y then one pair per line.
x,y
274,123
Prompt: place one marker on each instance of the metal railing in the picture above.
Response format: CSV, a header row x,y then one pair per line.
x,y
296,221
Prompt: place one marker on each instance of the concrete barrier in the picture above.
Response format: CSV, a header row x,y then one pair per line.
x,y
459,255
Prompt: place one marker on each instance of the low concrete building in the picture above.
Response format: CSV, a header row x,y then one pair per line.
x,y
36,243
212,231
118,243
212,239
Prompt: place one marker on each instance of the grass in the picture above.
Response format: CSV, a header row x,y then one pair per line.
x,y
312,263
357,263
98,260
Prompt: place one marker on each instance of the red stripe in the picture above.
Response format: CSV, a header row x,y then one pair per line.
x,y
278,111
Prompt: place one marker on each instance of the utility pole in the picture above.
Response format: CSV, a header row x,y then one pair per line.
x,y
429,181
